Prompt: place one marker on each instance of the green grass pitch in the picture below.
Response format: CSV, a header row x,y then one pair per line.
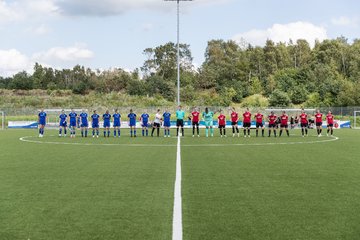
x,y
232,188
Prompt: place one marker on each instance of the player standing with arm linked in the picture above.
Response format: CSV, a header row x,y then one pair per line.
x,y
95,124
247,122
106,118
303,123
62,123
144,119
234,122
132,123
318,122
157,123
84,123
195,115
330,123
284,118
272,123
167,123
42,122
180,114
73,122
259,123
117,122
222,124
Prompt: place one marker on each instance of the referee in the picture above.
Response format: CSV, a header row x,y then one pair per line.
x,y
180,114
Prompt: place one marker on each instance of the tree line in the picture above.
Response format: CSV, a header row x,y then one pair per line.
x,y
284,74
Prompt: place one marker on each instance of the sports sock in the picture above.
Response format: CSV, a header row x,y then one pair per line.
x,y
182,131
135,133
147,132
233,128
280,133
104,133
237,129
108,133
93,131
60,130
287,132
197,130
248,131
158,131
212,131
257,132
269,133
143,132
119,132
207,132
177,131
224,131
152,131
332,131
274,132
302,131
193,129
306,131
97,132
114,133
244,132
221,131
86,131
262,132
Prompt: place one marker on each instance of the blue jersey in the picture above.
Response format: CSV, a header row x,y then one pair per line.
x,y
167,116
132,119
63,118
73,116
106,117
145,117
116,117
84,119
42,118
95,118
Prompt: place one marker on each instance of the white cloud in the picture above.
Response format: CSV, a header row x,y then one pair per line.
x,y
74,53
116,7
8,12
284,32
12,61
345,21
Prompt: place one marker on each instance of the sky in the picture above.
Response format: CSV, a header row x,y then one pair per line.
x,y
113,33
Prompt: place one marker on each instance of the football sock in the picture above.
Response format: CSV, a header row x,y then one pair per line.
x,y
332,131
108,133
131,133
287,132
244,132
302,131
65,131
152,131
119,132
143,132
306,131
193,129
211,131
257,131
207,132
269,133
237,130
220,131
104,133
135,133
114,133
60,130
274,132
147,132
177,131
262,132
86,131
233,128
197,130
248,131
97,132
158,131
182,131
93,132
224,131
280,133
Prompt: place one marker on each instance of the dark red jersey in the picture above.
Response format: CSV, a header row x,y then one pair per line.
x,y
318,117
247,117
272,119
234,117
303,118
222,119
195,116
284,119
259,117
330,119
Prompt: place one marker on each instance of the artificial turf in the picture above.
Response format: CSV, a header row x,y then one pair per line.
x,y
232,188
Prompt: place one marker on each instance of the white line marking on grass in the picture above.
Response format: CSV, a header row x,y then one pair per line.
x,y
260,144
29,139
177,212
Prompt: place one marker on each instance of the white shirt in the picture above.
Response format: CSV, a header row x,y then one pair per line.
x,y
157,118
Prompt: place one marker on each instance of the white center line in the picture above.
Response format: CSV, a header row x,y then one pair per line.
x,y
177,213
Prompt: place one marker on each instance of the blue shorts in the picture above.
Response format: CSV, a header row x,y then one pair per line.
x,y
84,125
132,124
106,124
95,125
145,124
42,123
116,124
63,124
167,124
72,124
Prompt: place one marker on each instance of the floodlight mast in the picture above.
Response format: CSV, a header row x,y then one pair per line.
x,y
178,45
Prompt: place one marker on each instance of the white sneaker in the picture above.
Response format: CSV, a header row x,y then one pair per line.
x,y
198,135
233,134
244,136
221,136
225,136
193,136
59,135
249,136
93,136
97,136
212,135
238,134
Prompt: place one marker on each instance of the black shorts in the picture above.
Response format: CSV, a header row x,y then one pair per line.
x,y
195,124
284,125
330,125
246,125
234,123
221,126
272,125
304,125
156,125
259,125
319,124
180,123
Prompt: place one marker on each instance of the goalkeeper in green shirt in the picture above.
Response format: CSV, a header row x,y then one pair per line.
x,y
209,121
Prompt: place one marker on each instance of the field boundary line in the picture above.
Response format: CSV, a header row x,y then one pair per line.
x,y
177,233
